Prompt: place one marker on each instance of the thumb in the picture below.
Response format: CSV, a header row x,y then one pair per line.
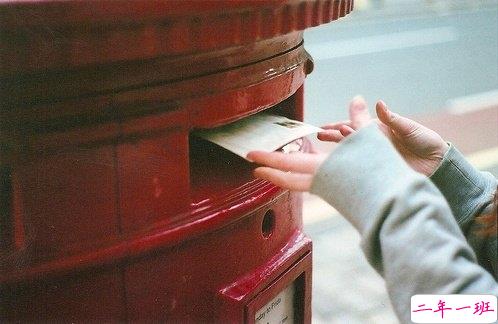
x,y
399,124
358,112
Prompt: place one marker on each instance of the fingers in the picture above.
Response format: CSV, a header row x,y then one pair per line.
x,y
277,166
287,180
346,130
295,162
336,135
358,113
337,125
359,117
333,131
331,135
383,112
399,124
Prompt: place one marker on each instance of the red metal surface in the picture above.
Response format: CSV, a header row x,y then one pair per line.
x,y
246,292
40,35
111,209
299,275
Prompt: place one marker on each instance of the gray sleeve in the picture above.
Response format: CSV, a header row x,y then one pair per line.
x,y
409,234
470,194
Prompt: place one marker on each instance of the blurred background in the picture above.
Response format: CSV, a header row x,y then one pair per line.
x,y
435,61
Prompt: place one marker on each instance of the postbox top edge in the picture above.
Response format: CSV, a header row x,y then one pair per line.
x,y
115,10
35,34
17,13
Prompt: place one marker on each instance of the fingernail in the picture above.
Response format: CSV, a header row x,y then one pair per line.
x,y
358,103
358,99
383,106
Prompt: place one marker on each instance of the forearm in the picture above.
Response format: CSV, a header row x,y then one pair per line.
x,y
470,194
408,232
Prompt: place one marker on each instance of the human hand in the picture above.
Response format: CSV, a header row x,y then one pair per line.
x,y
293,171
422,148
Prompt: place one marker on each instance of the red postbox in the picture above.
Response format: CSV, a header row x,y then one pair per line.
x,y
111,210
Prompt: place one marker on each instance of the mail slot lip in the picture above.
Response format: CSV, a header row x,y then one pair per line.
x,y
255,91
281,86
276,82
235,196
195,223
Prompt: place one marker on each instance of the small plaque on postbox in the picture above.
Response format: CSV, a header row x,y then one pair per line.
x,y
279,310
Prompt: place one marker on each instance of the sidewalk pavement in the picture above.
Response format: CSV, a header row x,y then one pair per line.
x,y
345,288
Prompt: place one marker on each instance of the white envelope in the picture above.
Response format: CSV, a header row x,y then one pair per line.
x,y
261,132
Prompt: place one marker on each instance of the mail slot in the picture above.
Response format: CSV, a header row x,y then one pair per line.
x,y
112,209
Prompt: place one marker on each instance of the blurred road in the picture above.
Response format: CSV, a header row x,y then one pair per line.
x,y
415,63
439,67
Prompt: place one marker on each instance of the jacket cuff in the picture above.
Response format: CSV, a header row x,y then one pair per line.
x,y
359,176
462,185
